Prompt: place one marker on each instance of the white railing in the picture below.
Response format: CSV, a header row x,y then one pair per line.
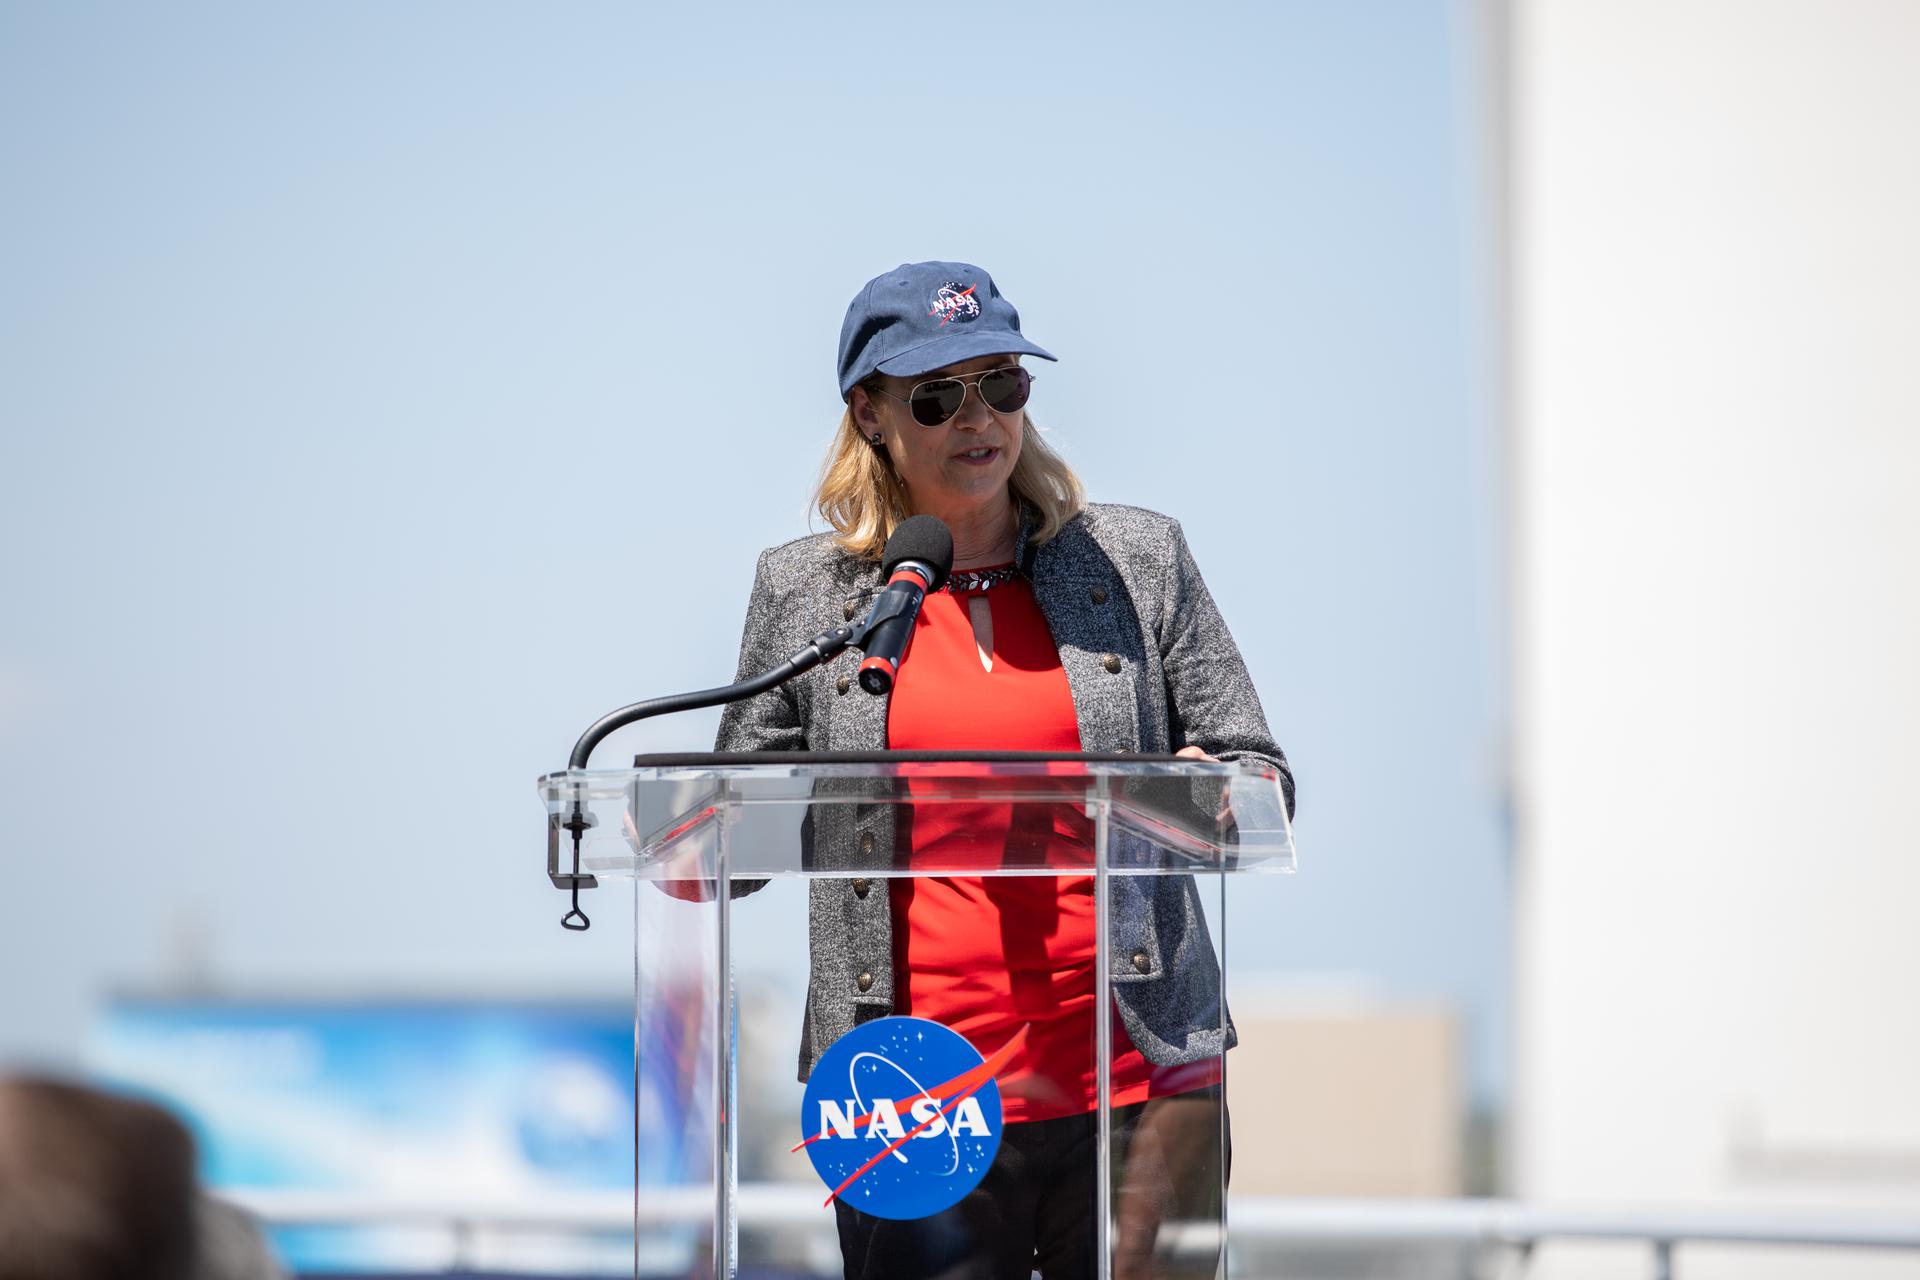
x,y
1256,1223
1522,1227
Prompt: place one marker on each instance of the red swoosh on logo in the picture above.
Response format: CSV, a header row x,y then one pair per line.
x,y
896,1144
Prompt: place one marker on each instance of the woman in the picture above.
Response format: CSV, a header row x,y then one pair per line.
x,y
1067,627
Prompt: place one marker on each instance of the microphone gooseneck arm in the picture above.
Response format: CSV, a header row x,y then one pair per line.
x,y
820,649
625,716
917,558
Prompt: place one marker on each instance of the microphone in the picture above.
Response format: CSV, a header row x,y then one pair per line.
x,y
917,560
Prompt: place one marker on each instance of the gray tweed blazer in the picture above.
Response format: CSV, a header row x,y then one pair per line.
x,y
1151,667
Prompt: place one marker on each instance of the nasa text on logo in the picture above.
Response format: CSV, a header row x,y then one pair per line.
x,y
955,303
902,1116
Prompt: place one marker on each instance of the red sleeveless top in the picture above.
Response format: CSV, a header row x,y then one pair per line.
x,y
988,957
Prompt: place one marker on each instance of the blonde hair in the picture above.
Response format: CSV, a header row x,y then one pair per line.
x,y
862,498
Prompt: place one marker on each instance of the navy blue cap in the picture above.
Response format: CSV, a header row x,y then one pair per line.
x,y
922,316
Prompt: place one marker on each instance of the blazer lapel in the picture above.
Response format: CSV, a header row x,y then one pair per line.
x,y
858,718
1081,597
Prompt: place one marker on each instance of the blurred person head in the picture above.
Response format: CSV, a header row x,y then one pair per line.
x,y
92,1186
99,1187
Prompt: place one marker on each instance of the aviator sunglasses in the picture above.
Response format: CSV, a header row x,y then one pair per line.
x,y
1003,390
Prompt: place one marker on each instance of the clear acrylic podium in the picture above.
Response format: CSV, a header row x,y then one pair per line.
x,y
816,850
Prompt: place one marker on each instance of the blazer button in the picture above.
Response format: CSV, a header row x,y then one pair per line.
x,y
866,842
860,887
1112,663
843,684
864,982
849,611
1141,964
1098,595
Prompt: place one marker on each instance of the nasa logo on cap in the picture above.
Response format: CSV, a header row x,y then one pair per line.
x,y
902,1117
955,303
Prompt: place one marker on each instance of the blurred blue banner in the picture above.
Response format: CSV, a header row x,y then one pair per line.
x,y
393,1099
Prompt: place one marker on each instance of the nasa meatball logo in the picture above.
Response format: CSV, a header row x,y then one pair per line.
x,y
902,1117
954,303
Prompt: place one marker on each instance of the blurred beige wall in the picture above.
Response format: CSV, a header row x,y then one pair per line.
x,y
1714,212
1359,1102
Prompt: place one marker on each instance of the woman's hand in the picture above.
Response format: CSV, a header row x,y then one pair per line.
x,y
1224,814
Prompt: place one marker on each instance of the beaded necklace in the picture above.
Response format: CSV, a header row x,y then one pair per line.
x,y
964,580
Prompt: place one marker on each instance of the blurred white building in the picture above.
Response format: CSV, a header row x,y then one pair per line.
x,y
1715,227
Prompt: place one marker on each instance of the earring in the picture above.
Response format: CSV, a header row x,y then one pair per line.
x,y
876,438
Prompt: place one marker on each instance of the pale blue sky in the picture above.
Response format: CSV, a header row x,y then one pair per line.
x,y
386,391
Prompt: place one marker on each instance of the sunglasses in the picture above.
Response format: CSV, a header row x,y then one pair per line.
x,y
1003,390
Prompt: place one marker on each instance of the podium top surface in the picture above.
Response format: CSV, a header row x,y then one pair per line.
x,y
882,759
1153,813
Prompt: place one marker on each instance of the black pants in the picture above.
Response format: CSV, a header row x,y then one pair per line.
x,y
1035,1209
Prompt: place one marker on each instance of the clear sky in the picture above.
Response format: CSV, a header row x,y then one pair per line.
x,y
387,391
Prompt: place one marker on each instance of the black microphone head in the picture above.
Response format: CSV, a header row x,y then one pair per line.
x,y
923,538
